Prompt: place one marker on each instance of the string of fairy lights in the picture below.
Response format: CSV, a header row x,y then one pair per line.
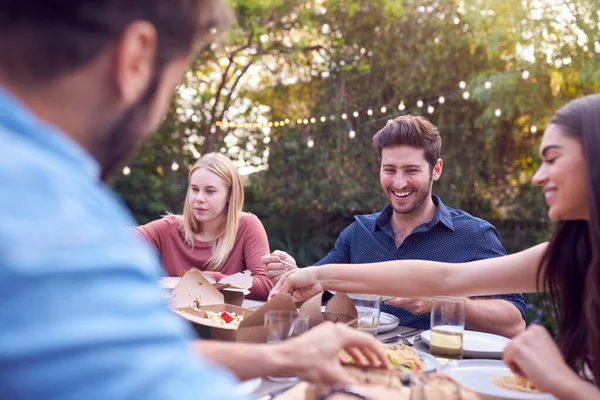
x,y
404,106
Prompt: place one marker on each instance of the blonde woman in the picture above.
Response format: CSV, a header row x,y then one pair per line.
x,y
213,234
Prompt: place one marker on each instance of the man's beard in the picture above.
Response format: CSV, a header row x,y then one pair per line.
x,y
416,205
123,136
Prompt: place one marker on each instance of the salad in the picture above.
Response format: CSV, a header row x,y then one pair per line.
x,y
225,318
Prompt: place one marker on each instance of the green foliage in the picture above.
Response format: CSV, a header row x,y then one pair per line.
x,y
291,59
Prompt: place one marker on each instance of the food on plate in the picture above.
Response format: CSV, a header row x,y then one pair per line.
x,y
380,384
515,382
400,357
228,318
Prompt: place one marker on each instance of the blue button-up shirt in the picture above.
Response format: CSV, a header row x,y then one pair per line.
x,y
81,312
452,236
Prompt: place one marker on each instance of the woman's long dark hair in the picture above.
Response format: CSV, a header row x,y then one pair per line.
x,y
570,269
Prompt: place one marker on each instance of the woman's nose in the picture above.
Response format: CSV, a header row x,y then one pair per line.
x,y
539,178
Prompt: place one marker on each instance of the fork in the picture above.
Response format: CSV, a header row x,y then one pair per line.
x,y
401,336
410,341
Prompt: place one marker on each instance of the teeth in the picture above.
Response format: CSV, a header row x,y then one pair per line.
x,y
403,194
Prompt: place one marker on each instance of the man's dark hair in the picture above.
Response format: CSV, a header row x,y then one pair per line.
x,y
414,131
41,40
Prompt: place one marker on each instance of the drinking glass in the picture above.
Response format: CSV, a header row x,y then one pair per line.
x,y
368,307
447,327
282,325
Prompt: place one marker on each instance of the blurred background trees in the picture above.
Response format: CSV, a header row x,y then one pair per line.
x,y
272,96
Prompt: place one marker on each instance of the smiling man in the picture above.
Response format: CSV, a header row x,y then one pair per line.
x,y
417,225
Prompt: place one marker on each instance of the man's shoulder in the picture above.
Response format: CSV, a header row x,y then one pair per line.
x,y
462,220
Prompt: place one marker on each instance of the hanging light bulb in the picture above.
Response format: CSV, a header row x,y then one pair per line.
x,y
344,116
558,62
369,112
401,106
277,124
498,112
533,129
525,74
355,114
466,95
310,143
174,166
351,134
487,84
462,84
430,109
126,170
420,103
441,99
383,109
323,119
313,120
305,121
270,124
298,121
287,121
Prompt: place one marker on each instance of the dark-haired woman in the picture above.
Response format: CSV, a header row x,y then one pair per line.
x,y
568,267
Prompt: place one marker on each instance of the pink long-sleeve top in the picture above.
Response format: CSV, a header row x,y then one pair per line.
x,y
167,237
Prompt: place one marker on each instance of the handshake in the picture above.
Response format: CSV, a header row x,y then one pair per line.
x,y
278,263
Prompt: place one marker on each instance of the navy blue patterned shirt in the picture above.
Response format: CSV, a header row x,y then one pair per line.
x,y
453,236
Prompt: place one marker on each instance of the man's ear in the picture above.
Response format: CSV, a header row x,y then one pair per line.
x,y
135,61
437,169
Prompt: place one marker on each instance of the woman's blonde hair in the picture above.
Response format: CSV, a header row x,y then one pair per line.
x,y
223,244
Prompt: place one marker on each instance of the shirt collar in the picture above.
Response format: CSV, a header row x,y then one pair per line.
x,y
442,214
16,117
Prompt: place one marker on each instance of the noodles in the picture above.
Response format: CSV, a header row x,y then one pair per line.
x,y
404,357
401,357
515,382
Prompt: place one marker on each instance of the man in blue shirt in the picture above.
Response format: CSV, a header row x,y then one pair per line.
x,y
417,225
81,83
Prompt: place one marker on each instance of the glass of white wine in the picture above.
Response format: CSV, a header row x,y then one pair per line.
x,y
447,327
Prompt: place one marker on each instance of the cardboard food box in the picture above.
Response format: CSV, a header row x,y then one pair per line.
x,y
250,330
195,295
195,285
338,309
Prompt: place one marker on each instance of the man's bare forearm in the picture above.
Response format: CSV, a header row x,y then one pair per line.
x,y
244,360
495,316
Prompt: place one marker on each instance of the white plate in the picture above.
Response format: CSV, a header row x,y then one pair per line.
x,y
431,364
477,375
387,322
247,387
478,344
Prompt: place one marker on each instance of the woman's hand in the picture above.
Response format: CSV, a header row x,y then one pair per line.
x,y
534,355
301,284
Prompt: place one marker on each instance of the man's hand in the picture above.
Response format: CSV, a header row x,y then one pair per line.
x,y
534,355
274,266
415,306
301,284
315,355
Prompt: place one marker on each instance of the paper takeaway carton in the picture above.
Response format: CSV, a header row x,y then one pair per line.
x,y
338,309
195,285
194,296
250,330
